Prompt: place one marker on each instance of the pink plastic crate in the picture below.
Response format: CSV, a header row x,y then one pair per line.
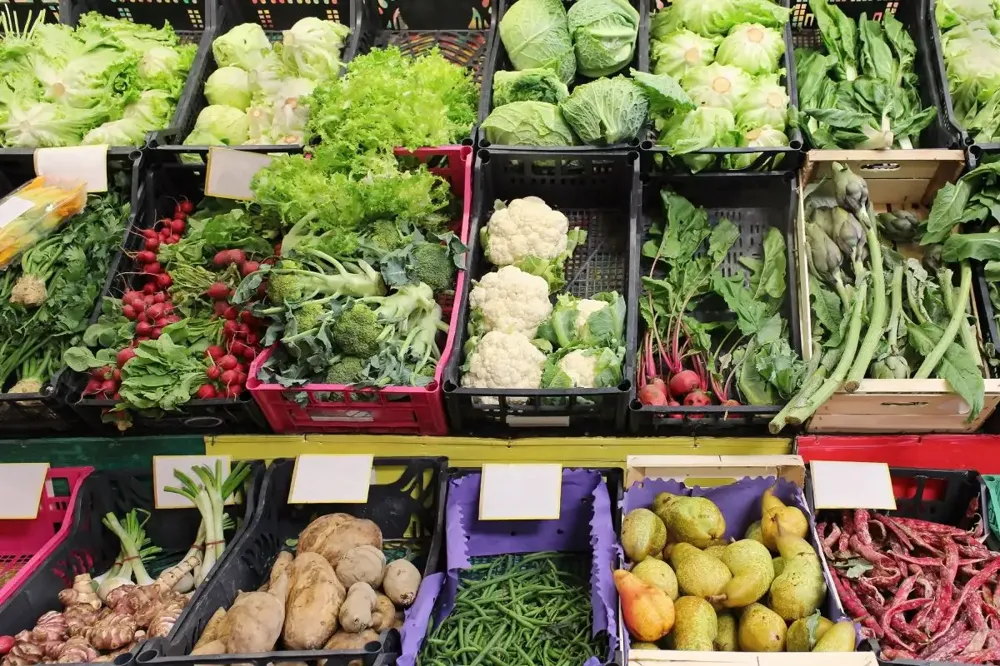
x,y
396,409
24,544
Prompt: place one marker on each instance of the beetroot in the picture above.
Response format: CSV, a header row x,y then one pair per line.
x,y
697,398
651,395
684,382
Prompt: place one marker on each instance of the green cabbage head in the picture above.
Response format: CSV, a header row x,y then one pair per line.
x,y
717,17
759,137
535,34
766,103
228,126
753,48
311,48
704,127
681,51
229,86
244,46
717,85
528,85
603,34
606,111
528,124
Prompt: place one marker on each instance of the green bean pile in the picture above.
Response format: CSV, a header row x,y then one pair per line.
x,y
518,610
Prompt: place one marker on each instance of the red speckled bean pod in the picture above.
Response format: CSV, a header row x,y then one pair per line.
x,y
992,654
948,617
952,647
853,605
866,551
892,654
974,609
977,642
900,534
833,537
947,636
890,579
861,518
927,526
897,600
919,561
913,536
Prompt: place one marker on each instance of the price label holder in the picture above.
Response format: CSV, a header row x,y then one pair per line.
x,y
13,208
163,478
21,487
88,164
520,492
331,479
851,485
229,173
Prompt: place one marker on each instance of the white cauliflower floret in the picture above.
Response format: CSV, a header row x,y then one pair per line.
x,y
526,227
504,360
511,301
586,307
580,366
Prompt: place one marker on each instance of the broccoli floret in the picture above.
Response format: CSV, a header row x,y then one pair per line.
x,y
433,266
353,278
308,316
357,331
360,331
347,370
385,235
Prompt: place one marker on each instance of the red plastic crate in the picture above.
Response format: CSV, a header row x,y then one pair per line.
x,y
395,409
954,452
24,544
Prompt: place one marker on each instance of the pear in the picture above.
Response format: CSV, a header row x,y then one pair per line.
x,y
658,574
779,565
698,574
696,627
725,640
752,569
644,646
647,611
805,632
753,532
643,535
840,638
761,630
694,520
777,518
800,589
715,551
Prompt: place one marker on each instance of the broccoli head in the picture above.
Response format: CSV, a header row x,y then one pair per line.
x,y
346,370
357,331
308,316
386,236
361,331
433,266
352,278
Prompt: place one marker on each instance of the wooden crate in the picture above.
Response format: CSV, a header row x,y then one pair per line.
x,y
906,179
692,469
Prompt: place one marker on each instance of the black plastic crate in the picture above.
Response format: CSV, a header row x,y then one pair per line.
x,y
913,15
499,61
273,18
92,548
46,413
597,193
21,14
163,185
409,510
753,202
940,496
655,158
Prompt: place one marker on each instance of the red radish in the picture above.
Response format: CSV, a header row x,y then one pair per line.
x,y
130,296
229,377
139,304
129,312
205,392
237,257
249,268
152,268
149,288
230,327
218,291
164,234
219,308
109,386
6,643
173,319
116,396
161,322
221,258
93,386
213,372
164,281
674,403
177,226
186,206
231,313
152,244
125,355
174,239
697,398
155,311
116,375
233,391
156,333
249,354
160,297
683,383
247,317
148,233
237,349
216,352
228,362
149,299
97,373
145,257
651,395
241,378
252,339
143,328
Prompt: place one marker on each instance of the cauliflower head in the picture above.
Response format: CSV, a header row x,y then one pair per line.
x,y
510,301
586,307
504,360
580,367
525,228
591,367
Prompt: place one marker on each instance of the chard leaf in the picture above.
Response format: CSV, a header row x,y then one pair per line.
x,y
876,56
956,367
947,210
981,247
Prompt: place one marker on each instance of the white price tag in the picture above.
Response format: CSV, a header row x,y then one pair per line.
x,y
520,492
229,172
88,164
851,485
163,478
13,208
331,479
21,490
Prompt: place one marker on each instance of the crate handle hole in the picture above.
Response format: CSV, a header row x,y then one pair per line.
x,y
143,658
905,404
881,166
373,647
203,422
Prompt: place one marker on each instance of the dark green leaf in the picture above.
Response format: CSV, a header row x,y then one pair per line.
x,y
981,247
876,56
947,210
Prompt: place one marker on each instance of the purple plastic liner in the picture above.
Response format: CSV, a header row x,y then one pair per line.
x,y
584,525
740,506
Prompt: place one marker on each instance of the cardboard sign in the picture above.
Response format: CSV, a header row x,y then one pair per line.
x,y
88,164
331,479
163,477
229,172
852,485
520,492
21,490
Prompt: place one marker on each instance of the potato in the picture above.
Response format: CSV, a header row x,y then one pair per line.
x,y
211,647
401,582
356,611
384,614
364,564
317,531
211,631
349,535
343,640
314,600
253,624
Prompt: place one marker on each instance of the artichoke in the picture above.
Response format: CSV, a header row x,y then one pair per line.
x,y
823,218
892,366
900,226
851,191
824,255
848,233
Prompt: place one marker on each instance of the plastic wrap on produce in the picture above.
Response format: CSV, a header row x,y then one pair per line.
x,y
740,505
584,525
